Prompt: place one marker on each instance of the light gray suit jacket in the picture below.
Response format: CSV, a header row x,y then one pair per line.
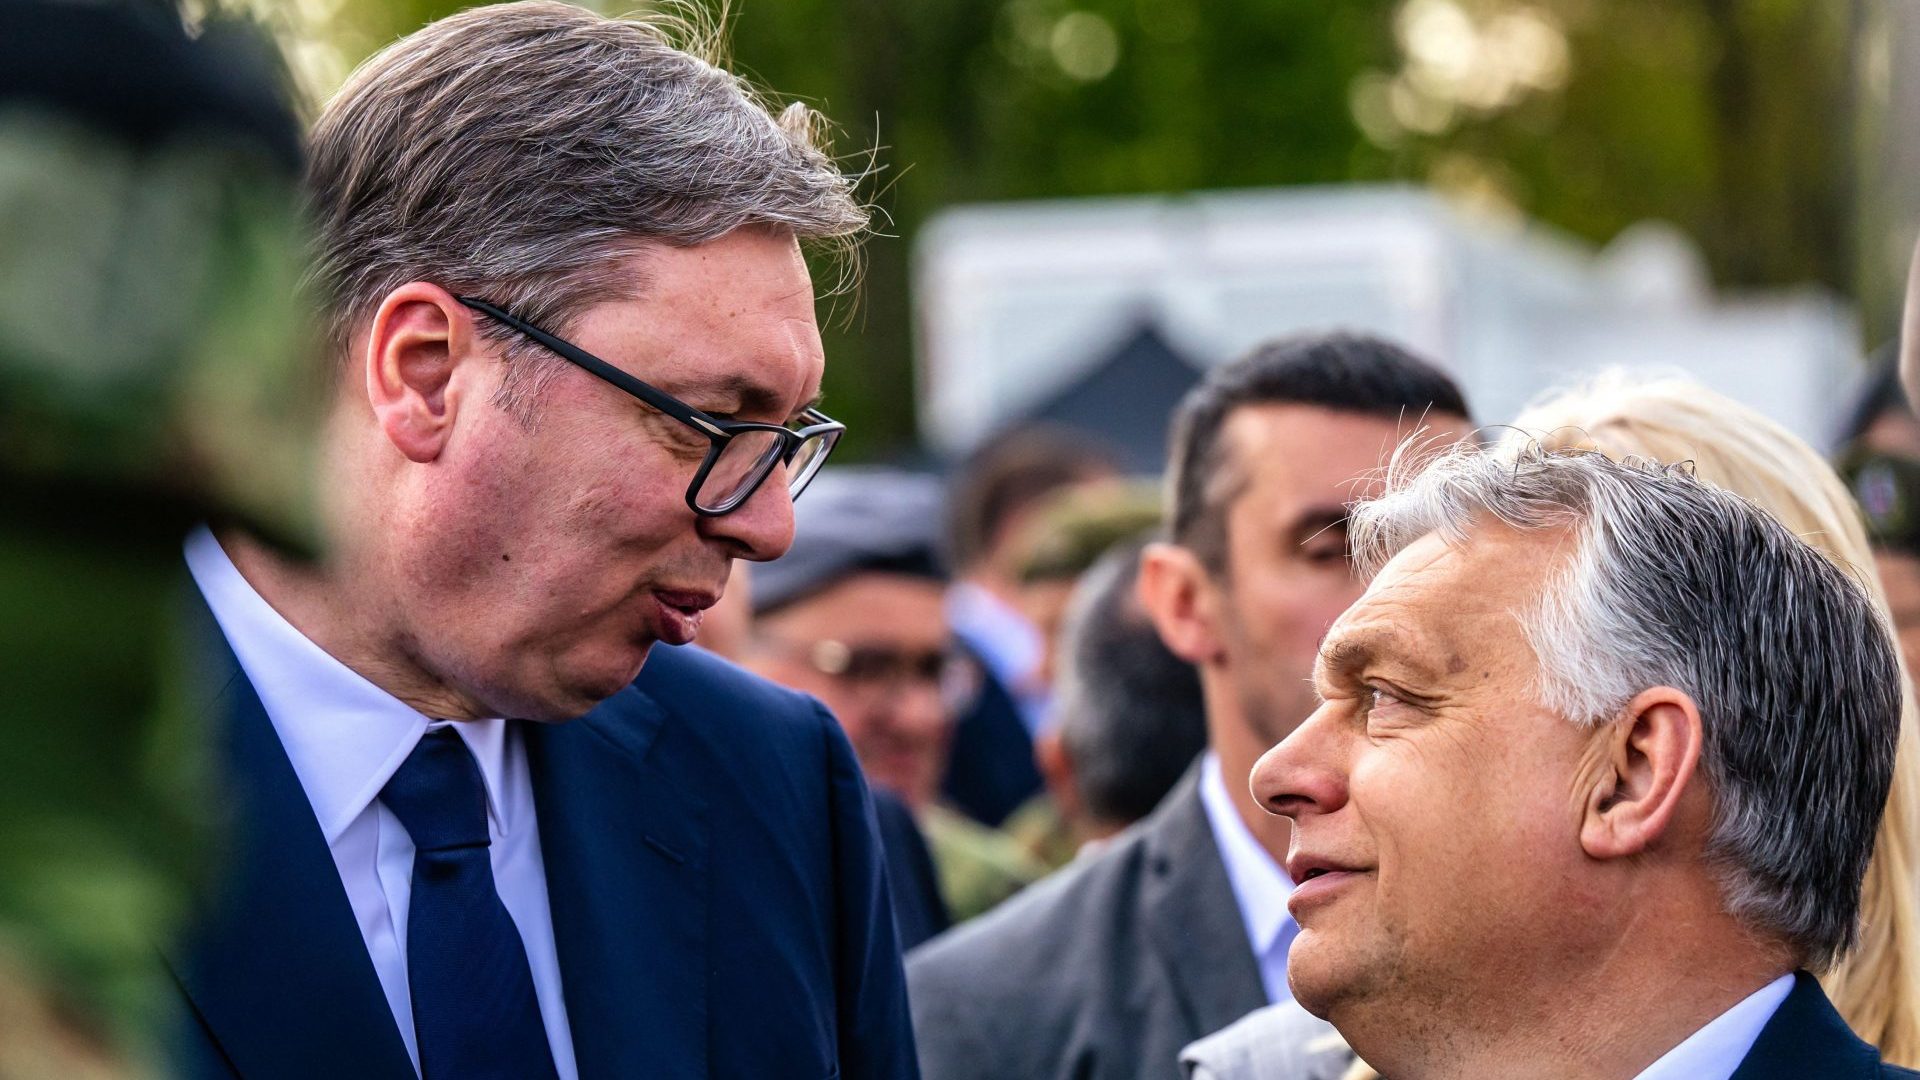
x,y
1102,972
1279,1042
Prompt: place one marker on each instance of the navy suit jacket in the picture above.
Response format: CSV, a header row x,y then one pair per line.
x,y
717,895
1806,1039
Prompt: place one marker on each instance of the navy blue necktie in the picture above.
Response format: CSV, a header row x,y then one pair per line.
x,y
474,1011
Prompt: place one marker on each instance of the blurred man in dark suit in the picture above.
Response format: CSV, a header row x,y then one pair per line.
x,y
572,362
995,496
1180,926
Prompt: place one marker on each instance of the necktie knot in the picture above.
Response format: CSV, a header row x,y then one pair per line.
x,y
439,795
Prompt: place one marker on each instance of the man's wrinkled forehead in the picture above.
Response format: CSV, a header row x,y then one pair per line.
x,y
730,324
1386,620
1439,603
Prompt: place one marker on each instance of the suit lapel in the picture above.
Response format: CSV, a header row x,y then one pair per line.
x,y
273,964
625,846
1192,921
1807,1038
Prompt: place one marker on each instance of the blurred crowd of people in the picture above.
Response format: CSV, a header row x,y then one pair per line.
x,y
1133,745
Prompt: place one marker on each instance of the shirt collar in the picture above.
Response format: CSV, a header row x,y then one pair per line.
x,y
1716,1050
1259,883
344,735
1002,636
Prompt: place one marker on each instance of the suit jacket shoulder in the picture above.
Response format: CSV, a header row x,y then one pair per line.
x,y
1807,1038
1104,970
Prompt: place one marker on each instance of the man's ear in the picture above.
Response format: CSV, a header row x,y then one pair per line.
x,y
1638,773
1056,770
415,346
1180,597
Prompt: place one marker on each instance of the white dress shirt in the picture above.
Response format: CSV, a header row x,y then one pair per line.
x,y
346,737
1715,1051
1260,885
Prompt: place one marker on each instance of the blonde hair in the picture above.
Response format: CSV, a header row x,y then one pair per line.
x,y
1876,987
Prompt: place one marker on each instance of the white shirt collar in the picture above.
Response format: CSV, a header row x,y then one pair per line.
x,y
1716,1050
1002,636
1259,883
344,735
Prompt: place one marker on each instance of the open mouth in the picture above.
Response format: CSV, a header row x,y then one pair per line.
x,y
678,617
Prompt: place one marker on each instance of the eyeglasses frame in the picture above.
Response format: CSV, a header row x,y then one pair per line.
x,y
718,432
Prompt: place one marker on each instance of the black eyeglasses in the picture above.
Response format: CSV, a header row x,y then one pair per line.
x,y
742,455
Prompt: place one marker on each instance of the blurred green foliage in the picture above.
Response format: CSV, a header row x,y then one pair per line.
x,y
1729,118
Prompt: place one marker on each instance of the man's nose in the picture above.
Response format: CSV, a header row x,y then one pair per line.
x,y
1305,773
763,525
921,707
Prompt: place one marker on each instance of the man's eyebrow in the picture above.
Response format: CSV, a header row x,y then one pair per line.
x,y
1374,648
730,387
1348,654
1315,520
811,403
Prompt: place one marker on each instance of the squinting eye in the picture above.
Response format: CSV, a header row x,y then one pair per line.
x,y
1377,697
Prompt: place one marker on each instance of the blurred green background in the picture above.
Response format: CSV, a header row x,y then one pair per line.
x,y
1740,121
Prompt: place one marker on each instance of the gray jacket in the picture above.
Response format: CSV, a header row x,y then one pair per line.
x,y
1102,972
1279,1042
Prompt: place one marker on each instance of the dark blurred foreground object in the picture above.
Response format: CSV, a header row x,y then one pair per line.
x,y
149,257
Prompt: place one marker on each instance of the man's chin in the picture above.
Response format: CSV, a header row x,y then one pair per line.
x,y
1318,978
580,695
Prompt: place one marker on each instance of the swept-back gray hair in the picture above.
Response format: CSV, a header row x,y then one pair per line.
x,y
1671,581
523,152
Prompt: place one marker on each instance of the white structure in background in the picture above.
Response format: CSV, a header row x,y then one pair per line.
x,y
1015,300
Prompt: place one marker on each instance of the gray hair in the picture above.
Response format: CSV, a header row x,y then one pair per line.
x,y
1674,582
525,152
1131,714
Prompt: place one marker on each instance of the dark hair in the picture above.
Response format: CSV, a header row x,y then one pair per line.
x,y
1340,372
1011,474
1131,714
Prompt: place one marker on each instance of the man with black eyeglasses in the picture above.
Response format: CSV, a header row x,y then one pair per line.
x,y
573,371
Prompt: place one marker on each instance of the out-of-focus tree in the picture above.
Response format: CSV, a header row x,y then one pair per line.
x,y
1729,118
